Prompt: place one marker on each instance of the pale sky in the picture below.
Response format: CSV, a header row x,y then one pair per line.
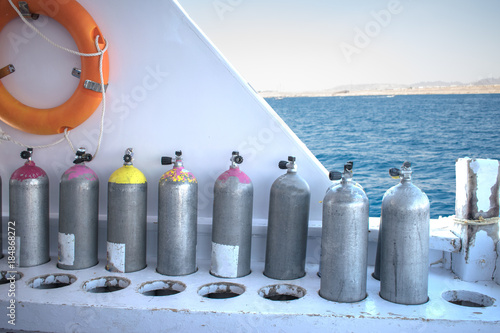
x,y
299,45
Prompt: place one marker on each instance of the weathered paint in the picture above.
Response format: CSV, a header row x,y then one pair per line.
x,y
80,170
28,171
477,258
178,174
477,185
234,172
127,174
477,222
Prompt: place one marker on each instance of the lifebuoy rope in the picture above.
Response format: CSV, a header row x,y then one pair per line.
x,y
100,53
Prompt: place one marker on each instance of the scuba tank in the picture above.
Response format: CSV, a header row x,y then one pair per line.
x,y
288,224
177,219
78,215
127,218
232,222
404,241
344,240
29,210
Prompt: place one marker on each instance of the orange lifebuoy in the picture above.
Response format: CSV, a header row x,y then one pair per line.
x,y
82,27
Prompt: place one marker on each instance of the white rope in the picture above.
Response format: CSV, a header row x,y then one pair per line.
x,y
100,53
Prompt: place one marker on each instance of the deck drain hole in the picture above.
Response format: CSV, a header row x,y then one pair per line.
x,y
162,288
282,292
468,298
221,290
106,284
51,281
6,277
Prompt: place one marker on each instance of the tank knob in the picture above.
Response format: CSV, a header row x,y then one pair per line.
x,y
335,175
236,158
348,166
178,153
26,154
128,155
394,173
282,164
291,158
81,156
165,160
406,165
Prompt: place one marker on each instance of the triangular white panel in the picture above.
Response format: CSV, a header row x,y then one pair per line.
x,y
170,89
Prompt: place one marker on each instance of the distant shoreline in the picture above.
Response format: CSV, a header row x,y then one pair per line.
x,y
452,90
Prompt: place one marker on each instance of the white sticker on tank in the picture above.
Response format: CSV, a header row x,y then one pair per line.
x,y
116,257
66,249
225,260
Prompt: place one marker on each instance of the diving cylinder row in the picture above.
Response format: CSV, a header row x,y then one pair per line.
x,y
402,251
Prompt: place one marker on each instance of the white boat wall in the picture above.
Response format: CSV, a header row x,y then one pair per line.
x,y
171,89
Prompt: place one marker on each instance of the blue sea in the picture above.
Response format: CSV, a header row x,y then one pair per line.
x,y
381,132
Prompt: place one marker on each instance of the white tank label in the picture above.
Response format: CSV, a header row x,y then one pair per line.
x,y
116,257
225,260
66,249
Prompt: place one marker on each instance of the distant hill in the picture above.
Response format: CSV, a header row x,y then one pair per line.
x,y
489,85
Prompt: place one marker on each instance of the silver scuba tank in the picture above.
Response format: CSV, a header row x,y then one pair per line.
x,y
344,240
78,215
127,218
287,225
29,211
232,222
177,219
404,242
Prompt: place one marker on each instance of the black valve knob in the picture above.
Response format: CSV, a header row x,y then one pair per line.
x,y
282,164
26,154
291,158
82,158
406,165
394,172
238,159
335,175
165,160
178,153
348,166
127,158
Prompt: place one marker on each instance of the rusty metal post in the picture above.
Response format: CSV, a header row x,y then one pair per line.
x,y
477,218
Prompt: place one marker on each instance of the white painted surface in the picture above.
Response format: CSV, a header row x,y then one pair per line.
x,y
73,309
477,258
486,171
462,188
